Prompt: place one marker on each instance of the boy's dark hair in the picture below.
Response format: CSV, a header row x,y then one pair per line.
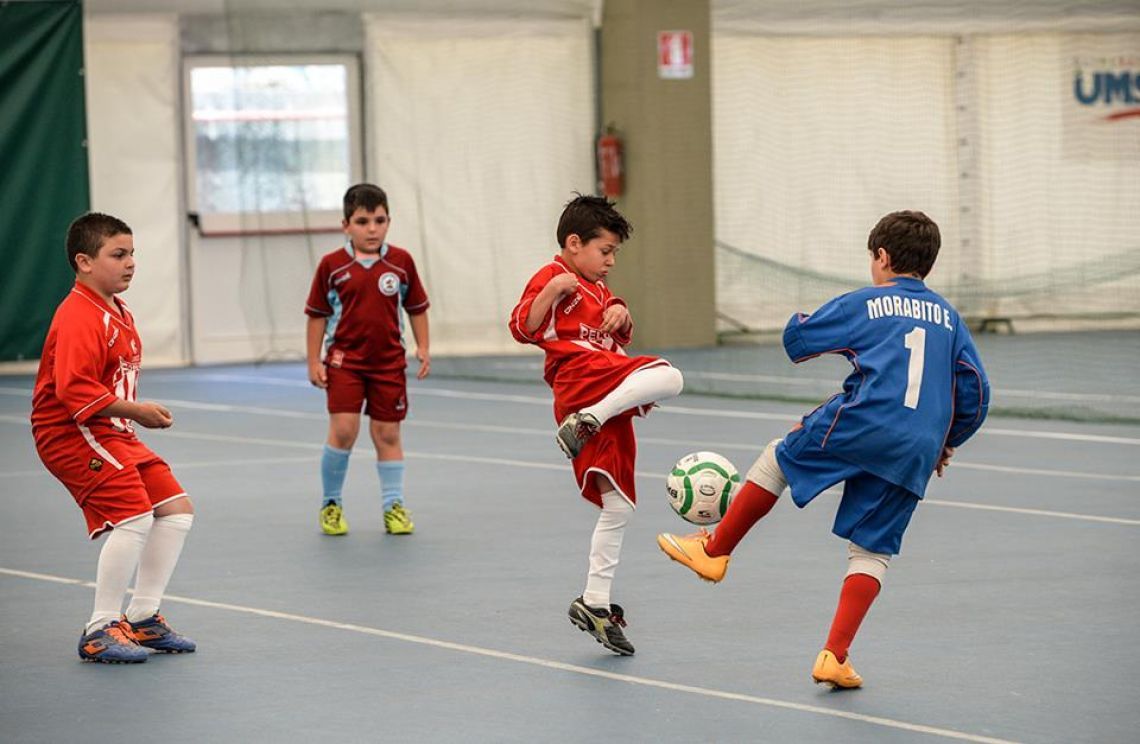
x,y
587,216
88,231
364,195
911,239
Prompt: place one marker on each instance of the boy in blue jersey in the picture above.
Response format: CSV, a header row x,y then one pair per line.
x,y
916,393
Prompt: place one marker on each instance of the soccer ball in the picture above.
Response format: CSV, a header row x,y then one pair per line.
x,y
701,487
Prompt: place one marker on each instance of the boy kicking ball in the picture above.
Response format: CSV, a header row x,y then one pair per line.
x,y
568,311
916,393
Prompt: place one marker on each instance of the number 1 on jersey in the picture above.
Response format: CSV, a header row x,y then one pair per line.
x,y
915,341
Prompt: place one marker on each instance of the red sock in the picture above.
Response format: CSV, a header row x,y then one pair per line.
x,y
746,509
855,598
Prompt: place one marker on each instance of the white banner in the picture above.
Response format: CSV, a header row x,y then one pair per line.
x,y
1101,93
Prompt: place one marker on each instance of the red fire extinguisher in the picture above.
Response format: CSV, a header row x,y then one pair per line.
x,y
610,176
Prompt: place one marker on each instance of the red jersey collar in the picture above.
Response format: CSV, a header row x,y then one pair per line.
x,y
119,310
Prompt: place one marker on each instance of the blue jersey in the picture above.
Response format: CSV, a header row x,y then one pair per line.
x,y
917,382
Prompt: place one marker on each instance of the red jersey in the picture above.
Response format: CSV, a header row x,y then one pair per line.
x,y
571,326
92,356
362,301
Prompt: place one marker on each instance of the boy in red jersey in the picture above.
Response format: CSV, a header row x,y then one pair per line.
x,y
354,308
83,415
568,311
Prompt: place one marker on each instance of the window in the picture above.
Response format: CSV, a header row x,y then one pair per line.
x,y
272,143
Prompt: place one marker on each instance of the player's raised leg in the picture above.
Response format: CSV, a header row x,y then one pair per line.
x,y
642,387
707,554
593,612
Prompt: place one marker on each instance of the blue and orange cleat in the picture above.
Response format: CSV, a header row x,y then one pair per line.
x,y
154,633
112,644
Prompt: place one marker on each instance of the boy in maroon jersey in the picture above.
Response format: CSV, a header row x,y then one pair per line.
x,y
354,307
567,310
83,413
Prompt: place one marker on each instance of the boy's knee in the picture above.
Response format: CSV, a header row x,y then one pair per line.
x,y
863,561
766,473
138,526
676,379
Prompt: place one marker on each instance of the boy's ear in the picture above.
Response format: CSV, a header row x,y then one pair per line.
x,y
573,242
82,262
883,257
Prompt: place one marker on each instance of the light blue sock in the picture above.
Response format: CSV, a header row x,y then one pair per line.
x,y
334,466
391,474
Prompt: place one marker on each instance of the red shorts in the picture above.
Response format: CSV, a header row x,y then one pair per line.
x,y
130,493
386,393
583,380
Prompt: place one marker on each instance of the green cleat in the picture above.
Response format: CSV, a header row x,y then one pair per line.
x,y
398,521
333,521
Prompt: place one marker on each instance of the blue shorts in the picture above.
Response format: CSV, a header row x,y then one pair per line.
x,y
873,513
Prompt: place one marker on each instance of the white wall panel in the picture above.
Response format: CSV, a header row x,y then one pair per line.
x,y
135,156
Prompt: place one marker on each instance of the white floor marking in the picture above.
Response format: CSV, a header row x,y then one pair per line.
x,y
561,467
539,662
716,446
667,409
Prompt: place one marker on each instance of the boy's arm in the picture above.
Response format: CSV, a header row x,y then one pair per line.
x,y
824,331
971,392
533,310
419,323
314,335
148,413
80,354
617,321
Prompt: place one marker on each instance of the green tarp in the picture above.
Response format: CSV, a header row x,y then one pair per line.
x,y
43,164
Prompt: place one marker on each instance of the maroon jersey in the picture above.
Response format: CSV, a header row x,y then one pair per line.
x,y
362,301
91,356
571,326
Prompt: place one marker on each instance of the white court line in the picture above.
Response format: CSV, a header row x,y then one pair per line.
x,y
781,380
177,465
490,428
540,662
688,410
478,460
668,409
235,439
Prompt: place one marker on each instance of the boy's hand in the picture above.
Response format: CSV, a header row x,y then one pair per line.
x,y
564,284
425,362
614,318
153,415
318,375
944,460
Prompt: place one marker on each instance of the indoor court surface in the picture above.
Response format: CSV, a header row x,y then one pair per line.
x,y
1010,615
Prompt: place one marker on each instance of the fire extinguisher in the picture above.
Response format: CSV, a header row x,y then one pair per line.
x,y
610,172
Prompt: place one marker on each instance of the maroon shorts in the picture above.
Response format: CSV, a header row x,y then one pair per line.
x,y
582,381
384,395
132,492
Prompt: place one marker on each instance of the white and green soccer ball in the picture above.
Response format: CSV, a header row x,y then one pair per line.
x,y
701,487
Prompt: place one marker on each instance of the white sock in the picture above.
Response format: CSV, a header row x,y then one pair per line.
x,y
117,562
157,564
605,548
645,386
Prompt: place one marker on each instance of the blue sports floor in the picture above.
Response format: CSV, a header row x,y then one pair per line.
x,y
1011,614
